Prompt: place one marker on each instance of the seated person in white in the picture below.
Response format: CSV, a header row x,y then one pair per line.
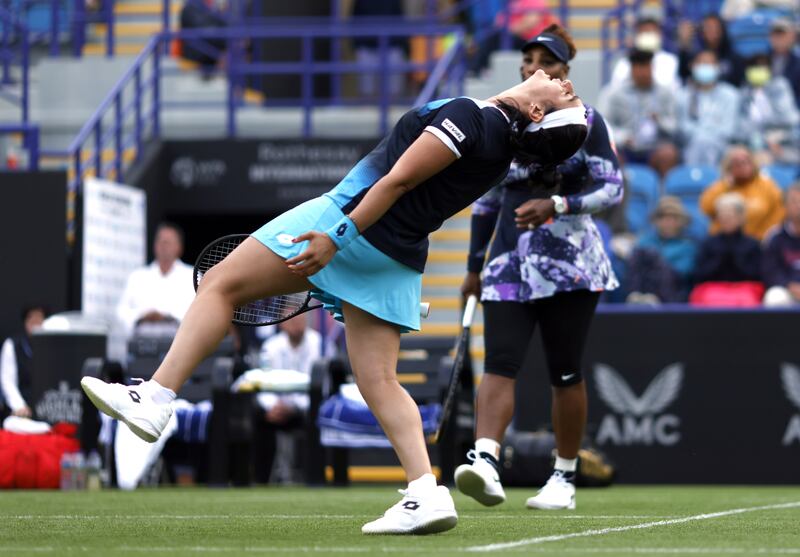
x,y
158,295
15,363
648,37
295,347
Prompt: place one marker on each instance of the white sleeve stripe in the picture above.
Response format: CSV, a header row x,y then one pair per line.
x,y
444,138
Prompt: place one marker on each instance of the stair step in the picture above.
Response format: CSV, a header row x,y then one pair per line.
x,y
137,29
146,8
446,329
442,280
447,256
454,235
125,49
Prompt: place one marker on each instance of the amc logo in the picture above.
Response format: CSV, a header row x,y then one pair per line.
x,y
639,420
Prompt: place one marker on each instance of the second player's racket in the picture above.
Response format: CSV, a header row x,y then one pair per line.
x,y
267,311
458,364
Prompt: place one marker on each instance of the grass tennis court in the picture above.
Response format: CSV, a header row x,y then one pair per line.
x,y
627,520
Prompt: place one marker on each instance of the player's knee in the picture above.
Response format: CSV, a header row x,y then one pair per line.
x,y
565,379
504,367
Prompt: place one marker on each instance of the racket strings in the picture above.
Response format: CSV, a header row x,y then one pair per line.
x,y
266,310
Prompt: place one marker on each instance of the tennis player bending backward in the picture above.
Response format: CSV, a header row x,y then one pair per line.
x,y
361,249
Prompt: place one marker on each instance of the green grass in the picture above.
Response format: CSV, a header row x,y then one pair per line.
x,y
326,521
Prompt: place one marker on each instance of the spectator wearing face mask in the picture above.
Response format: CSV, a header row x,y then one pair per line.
x,y
769,121
711,34
648,37
707,121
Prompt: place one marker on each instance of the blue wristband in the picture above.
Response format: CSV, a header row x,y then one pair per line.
x,y
343,232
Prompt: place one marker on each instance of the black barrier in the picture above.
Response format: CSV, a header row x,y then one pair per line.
x,y
686,396
252,176
34,255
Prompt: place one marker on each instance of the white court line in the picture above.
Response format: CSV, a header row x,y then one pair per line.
x,y
351,550
488,516
603,531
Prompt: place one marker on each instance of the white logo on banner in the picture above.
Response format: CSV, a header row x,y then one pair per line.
x,y
640,422
62,405
187,172
791,384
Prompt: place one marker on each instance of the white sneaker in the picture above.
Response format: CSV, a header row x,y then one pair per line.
x,y
557,493
130,404
422,513
480,480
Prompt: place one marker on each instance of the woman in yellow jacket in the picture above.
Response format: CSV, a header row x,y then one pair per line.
x,y
741,174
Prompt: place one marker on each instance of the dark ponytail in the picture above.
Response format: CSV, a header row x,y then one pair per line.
x,y
542,150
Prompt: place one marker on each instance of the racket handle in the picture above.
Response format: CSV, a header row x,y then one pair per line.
x,y
424,309
469,311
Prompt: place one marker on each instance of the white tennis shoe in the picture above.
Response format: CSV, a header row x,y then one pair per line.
x,y
425,512
557,493
131,404
480,480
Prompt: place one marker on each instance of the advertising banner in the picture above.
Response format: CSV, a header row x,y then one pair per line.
x,y
686,396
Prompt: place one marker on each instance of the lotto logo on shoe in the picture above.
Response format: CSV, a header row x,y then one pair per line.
x,y
453,129
135,397
790,374
642,420
411,505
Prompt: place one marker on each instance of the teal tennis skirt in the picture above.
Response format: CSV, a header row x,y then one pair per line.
x,y
359,274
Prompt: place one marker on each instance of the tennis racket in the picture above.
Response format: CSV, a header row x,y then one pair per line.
x,y
266,311
458,364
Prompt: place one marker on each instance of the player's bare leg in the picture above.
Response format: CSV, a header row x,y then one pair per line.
x,y
373,346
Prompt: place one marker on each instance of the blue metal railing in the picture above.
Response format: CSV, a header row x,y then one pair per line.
x,y
30,142
15,41
130,114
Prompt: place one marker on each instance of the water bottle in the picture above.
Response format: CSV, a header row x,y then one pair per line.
x,y
93,466
67,464
79,471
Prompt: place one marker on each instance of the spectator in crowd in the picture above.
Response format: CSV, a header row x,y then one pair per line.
x,y
368,52
740,174
15,363
769,121
713,36
707,120
207,52
730,255
785,54
525,20
296,347
781,258
661,265
732,9
157,296
642,115
648,36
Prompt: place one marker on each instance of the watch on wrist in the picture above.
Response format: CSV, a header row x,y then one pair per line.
x,y
559,204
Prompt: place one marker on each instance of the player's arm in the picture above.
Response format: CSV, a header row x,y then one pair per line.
x,y
424,158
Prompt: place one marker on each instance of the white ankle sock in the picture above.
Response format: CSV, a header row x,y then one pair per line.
x,y
425,482
566,464
486,445
160,394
